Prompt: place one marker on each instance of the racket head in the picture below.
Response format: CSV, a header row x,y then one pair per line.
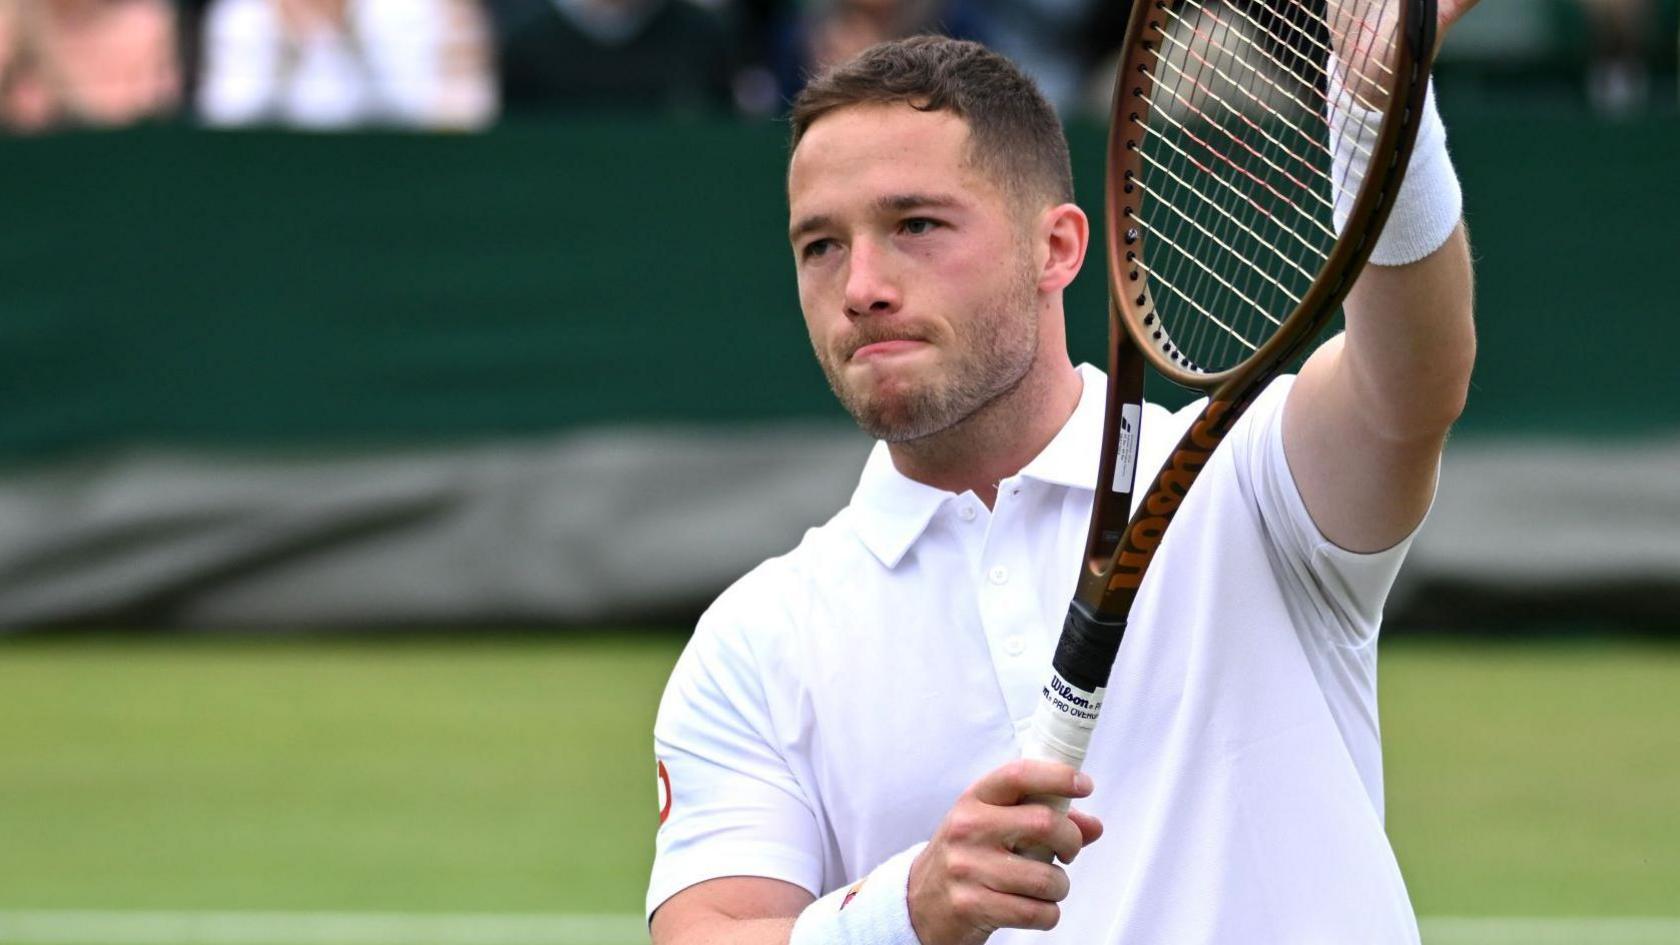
x,y
1223,256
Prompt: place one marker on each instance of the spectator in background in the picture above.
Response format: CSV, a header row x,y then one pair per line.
x,y
1618,75
1105,36
754,23
329,64
99,63
613,54
829,32
1048,39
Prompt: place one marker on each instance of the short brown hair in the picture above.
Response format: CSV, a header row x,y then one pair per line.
x,y
1014,134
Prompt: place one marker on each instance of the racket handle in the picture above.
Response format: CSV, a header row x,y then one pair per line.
x,y
1067,710
1052,738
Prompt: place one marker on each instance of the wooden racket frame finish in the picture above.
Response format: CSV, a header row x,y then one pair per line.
x,y
1116,558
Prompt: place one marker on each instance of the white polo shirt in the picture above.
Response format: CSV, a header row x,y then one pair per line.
x,y
834,702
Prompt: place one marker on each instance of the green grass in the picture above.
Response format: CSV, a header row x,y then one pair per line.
x,y
1530,779
514,774
508,775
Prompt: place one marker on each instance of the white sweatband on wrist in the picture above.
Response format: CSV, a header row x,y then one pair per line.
x,y
1430,202
875,910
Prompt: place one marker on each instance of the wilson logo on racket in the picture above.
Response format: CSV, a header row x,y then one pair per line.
x,y
1166,495
1069,693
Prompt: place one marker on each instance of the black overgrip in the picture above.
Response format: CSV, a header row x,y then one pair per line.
x,y
1085,653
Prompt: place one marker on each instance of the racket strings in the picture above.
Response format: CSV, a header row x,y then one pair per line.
x,y
1191,301
1250,177
1244,145
1238,113
1233,177
1238,180
1309,247
1227,248
1239,58
1210,272
1314,38
1322,98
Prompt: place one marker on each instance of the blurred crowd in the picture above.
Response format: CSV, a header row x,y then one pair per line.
x,y
459,64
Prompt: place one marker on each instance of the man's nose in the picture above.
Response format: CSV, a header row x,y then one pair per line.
x,y
871,282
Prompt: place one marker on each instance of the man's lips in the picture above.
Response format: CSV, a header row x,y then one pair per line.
x,y
885,349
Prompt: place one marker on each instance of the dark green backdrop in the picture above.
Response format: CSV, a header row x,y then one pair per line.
x,y
168,285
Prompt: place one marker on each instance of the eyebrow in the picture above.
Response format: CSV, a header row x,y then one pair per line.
x,y
889,203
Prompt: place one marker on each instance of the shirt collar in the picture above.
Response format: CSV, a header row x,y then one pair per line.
x,y
1071,458
890,510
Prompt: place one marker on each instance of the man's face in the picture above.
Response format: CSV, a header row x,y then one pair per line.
x,y
916,273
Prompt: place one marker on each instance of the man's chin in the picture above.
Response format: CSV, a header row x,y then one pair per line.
x,y
895,405
896,419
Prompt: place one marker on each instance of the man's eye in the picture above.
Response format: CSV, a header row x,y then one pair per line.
x,y
817,248
917,226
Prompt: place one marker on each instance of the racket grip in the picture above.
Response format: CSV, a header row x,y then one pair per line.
x,y
1071,700
1045,752
1052,737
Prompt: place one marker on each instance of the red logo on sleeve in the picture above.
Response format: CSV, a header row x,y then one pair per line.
x,y
851,894
664,791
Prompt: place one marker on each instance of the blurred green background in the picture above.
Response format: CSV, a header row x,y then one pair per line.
x,y
264,289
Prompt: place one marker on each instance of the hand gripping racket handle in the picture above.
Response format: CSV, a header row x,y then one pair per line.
x,y
1071,700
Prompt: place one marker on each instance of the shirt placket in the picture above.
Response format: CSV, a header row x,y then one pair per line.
x,y
1008,604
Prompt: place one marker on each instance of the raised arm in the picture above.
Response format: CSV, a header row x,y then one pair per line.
x,y
1364,424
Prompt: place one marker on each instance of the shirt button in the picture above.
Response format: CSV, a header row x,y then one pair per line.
x,y
966,513
998,575
1014,646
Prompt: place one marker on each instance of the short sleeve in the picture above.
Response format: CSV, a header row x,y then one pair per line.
x,y
1345,589
1335,596
731,806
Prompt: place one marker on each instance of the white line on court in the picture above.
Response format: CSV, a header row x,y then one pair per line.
x,y
108,927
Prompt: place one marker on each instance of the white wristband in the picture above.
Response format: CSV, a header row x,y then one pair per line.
x,y
874,910
1430,202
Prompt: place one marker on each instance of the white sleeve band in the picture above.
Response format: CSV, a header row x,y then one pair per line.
x,y
874,910
1430,202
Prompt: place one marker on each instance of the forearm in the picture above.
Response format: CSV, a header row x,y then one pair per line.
x,y
758,911
1411,342
722,930
746,909
1364,424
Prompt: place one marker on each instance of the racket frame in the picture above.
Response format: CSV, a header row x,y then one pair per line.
x,y
1110,579
1116,559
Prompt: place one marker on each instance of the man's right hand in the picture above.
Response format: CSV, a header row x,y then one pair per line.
x,y
968,882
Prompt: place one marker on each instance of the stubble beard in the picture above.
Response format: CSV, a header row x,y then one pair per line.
x,y
997,349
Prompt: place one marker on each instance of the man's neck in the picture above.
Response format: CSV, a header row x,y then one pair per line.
x,y
997,440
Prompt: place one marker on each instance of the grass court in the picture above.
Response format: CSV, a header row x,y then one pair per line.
x,y
499,788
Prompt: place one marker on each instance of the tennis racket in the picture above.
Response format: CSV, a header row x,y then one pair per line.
x,y
1225,257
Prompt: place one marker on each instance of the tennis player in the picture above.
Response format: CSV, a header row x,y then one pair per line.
x,y
837,746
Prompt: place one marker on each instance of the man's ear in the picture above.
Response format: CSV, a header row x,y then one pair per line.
x,y
1064,233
